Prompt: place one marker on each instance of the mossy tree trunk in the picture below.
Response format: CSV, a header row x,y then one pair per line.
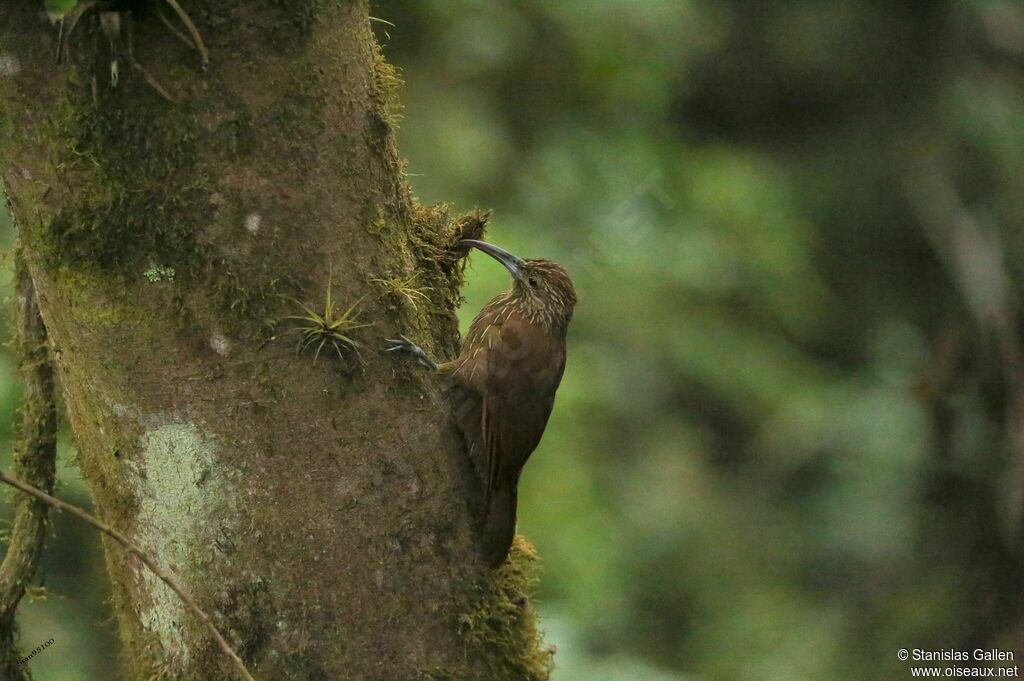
x,y
322,512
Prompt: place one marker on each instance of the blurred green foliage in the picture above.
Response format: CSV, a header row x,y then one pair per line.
x,y
781,447
779,450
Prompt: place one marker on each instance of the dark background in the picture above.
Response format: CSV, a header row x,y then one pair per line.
x,y
785,444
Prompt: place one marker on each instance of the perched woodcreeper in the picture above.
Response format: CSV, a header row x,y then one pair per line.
x,y
504,381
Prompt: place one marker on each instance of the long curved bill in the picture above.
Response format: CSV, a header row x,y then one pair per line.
x,y
511,262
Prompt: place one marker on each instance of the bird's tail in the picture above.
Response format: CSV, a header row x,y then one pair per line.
x,y
499,523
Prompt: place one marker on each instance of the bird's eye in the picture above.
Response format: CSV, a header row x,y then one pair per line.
x,y
533,282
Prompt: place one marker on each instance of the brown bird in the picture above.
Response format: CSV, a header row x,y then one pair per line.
x,y
504,381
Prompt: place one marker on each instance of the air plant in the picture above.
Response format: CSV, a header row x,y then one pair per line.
x,y
114,20
330,329
403,289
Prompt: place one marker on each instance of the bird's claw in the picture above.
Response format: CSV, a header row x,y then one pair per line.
x,y
404,344
400,343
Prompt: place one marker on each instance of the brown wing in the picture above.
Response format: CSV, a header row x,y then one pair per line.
x,y
504,388
524,368
468,373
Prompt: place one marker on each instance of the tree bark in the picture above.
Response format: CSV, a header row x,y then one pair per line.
x,y
321,511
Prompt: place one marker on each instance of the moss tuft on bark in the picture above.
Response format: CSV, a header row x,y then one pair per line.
x,y
387,80
498,624
138,190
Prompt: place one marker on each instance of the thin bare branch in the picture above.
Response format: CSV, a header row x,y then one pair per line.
x,y
166,577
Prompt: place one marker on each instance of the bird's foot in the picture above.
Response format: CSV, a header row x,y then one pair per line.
x,y
403,344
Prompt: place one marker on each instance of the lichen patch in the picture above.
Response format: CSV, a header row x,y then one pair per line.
x,y
252,223
9,65
220,344
182,494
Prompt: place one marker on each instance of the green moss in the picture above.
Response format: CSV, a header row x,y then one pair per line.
x,y
265,379
498,624
422,240
244,607
139,195
95,299
303,664
387,82
433,240
302,15
138,189
158,273
402,292
377,223
247,291
297,116
297,18
236,137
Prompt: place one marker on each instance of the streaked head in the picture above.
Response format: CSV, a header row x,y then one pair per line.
x,y
542,287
